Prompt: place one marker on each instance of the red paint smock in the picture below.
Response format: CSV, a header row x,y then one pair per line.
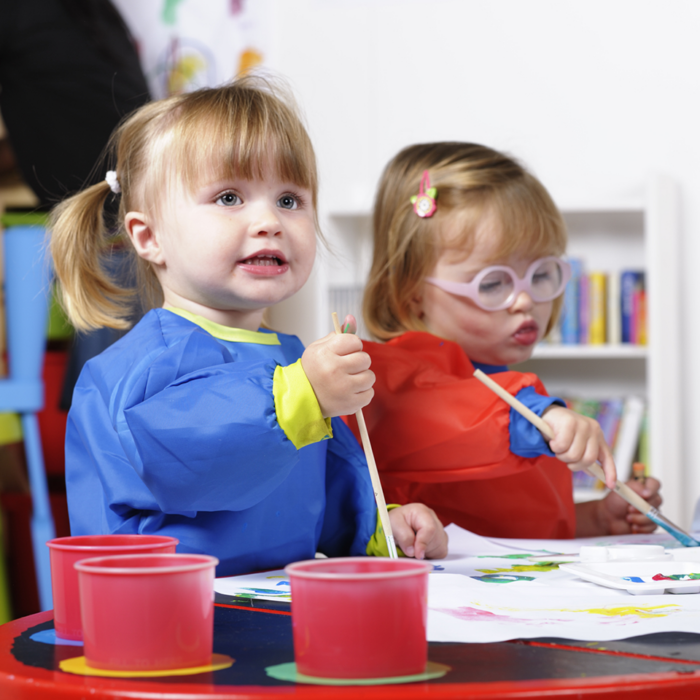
x,y
440,437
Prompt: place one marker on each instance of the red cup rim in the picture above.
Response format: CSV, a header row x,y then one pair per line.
x,y
305,569
63,543
95,565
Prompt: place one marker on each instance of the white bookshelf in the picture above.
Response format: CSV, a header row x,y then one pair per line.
x,y
609,235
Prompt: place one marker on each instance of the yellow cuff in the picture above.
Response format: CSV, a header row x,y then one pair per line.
x,y
298,412
10,428
376,547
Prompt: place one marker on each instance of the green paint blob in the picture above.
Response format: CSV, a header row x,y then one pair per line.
x,y
288,672
169,11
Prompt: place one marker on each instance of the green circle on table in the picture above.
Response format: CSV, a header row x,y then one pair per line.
x,y
288,672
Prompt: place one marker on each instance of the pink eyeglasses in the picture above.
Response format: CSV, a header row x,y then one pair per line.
x,y
498,286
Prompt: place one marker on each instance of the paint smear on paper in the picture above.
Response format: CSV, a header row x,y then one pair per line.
x,y
543,566
477,615
502,578
630,611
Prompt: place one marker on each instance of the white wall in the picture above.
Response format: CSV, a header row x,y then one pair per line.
x,y
593,96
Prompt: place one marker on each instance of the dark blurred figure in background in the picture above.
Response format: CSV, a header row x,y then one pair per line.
x,y
69,72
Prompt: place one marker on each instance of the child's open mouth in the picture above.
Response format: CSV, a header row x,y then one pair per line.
x,y
527,333
264,263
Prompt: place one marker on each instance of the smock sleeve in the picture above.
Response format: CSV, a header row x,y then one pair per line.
x,y
350,518
201,428
431,420
525,439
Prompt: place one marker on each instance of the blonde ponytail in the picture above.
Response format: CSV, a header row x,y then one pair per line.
x,y
80,247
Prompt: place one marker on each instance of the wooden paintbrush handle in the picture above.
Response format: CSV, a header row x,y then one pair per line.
x,y
632,497
624,491
373,471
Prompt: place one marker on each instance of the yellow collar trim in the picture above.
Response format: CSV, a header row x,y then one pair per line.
x,y
235,335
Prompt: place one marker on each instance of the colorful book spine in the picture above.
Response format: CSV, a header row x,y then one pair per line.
x,y
640,312
584,303
643,451
569,319
630,282
597,317
614,332
609,418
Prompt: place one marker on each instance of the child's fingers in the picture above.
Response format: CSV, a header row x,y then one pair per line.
x,y
608,463
402,530
571,447
419,532
649,491
355,363
345,344
431,540
363,398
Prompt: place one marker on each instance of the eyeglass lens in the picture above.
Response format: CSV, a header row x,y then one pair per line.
x,y
545,283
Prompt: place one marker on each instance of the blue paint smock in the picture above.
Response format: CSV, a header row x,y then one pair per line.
x,y
174,430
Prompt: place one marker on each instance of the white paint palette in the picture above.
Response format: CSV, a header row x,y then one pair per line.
x,y
641,577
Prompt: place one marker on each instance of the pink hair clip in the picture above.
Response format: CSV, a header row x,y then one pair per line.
x,y
424,202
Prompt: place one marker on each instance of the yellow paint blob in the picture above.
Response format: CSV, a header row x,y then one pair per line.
x,y
625,610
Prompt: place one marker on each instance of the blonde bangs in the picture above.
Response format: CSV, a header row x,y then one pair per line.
x,y
236,133
529,220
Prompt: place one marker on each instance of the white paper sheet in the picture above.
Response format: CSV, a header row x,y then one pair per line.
x,y
268,585
461,609
488,590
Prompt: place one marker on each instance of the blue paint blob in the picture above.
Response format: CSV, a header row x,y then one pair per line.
x,y
50,637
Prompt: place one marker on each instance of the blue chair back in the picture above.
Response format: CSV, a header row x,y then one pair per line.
x,y
26,312
26,308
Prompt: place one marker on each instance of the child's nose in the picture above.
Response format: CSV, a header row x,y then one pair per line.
x,y
265,221
523,302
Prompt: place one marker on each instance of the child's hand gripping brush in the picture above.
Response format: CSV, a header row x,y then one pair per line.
x,y
624,491
371,464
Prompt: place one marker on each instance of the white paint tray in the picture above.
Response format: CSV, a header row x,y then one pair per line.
x,y
637,577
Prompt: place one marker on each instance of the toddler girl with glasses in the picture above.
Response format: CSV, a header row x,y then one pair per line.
x,y
201,423
467,273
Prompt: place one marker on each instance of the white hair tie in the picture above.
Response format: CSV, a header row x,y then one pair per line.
x,y
111,178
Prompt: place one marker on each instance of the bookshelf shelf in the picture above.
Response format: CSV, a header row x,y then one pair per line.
x,y
589,352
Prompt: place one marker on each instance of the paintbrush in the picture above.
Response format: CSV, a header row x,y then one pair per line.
x,y
373,472
624,491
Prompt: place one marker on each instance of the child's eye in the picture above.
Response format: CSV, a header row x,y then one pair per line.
x,y
288,201
228,199
490,287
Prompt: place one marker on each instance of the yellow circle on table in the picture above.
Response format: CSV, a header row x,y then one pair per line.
x,y
78,665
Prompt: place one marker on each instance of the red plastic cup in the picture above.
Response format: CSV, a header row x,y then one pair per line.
x,y
359,617
147,612
66,551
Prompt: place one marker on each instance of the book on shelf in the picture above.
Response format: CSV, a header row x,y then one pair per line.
x,y
633,307
597,312
602,307
623,422
626,445
569,312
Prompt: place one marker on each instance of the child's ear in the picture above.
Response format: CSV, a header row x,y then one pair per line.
x,y
143,236
415,303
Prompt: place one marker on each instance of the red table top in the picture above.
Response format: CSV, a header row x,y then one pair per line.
x,y
257,637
